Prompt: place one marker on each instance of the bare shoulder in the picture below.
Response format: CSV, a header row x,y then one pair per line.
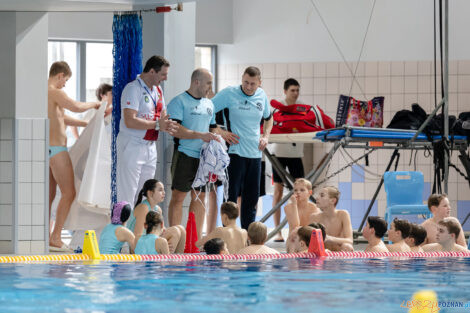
x,y
454,219
316,217
343,214
140,209
431,247
426,223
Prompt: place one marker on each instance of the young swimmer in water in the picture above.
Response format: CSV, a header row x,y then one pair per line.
x,y
339,234
449,231
399,230
114,235
302,239
416,238
299,209
152,243
375,229
230,233
215,246
154,193
257,235
439,206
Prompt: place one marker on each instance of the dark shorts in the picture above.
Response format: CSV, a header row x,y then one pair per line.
x,y
262,184
294,167
183,172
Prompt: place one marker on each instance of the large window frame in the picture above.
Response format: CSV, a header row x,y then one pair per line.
x,y
214,62
80,71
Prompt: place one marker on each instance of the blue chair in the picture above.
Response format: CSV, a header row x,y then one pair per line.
x,y
404,194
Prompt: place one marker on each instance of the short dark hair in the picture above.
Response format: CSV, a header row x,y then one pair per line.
x,y
435,199
319,226
305,233
418,233
402,225
378,224
60,67
252,71
214,246
452,226
230,209
102,90
156,63
290,82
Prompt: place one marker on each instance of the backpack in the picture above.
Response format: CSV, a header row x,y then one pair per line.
x,y
299,118
406,119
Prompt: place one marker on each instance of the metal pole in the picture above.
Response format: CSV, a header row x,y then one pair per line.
x,y
446,91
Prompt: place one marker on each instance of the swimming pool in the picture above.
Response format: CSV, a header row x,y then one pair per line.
x,y
289,285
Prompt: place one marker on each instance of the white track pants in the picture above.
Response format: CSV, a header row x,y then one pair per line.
x,y
136,163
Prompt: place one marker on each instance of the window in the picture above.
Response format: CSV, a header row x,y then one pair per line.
x,y
205,56
99,67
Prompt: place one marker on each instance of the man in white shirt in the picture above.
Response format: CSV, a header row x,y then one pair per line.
x,y
143,114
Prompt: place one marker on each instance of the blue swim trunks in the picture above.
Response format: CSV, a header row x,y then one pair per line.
x,y
53,150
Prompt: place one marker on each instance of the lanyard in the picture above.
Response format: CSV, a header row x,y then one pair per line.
x,y
148,92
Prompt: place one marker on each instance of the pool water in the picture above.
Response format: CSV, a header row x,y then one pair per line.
x,y
289,285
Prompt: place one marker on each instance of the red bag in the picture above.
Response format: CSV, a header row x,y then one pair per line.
x,y
299,118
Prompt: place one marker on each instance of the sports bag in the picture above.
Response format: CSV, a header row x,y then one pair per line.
x,y
299,118
354,112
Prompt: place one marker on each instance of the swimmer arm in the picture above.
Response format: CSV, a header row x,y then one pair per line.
x,y
161,245
139,212
75,106
125,235
208,237
70,121
346,233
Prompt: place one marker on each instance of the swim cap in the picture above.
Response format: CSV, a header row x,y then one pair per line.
x,y
117,209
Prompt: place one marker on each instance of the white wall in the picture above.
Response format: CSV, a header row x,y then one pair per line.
x,y
214,21
278,31
81,26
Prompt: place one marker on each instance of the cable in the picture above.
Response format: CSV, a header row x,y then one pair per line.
x,y
362,47
337,46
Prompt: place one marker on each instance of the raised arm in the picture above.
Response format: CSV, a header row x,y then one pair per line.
x,y
125,235
71,121
75,106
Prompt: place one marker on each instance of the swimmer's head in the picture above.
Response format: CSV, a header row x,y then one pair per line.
x,y
417,235
230,209
399,230
448,229
328,196
152,189
153,220
121,212
439,205
215,246
257,233
375,225
320,227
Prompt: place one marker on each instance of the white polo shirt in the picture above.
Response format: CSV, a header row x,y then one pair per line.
x,y
137,96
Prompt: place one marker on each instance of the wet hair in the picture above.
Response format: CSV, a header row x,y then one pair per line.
x,y
378,224
333,192
435,199
305,233
214,246
230,209
290,82
418,233
102,90
257,233
156,63
252,71
304,181
121,212
60,67
402,225
452,226
319,226
153,219
149,185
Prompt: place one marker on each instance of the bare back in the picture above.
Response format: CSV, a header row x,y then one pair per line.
x,y
400,246
379,247
257,249
305,211
234,238
55,112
